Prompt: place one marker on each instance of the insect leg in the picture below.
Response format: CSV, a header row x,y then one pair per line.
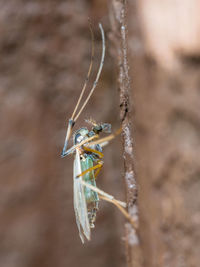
x,y
72,120
98,73
119,204
107,138
88,75
98,170
99,165
125,213
73,148
101,155
68,134
101,192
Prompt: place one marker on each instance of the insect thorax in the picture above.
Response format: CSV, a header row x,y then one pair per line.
x,y
80,135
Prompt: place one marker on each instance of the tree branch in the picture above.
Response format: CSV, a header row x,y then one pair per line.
x,y
119,28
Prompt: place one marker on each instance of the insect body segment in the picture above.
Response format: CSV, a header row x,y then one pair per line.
x,y
85,167
91,197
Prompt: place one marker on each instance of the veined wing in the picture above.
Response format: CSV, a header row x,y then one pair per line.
x,y
80,206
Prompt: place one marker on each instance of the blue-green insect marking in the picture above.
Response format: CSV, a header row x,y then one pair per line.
x,y
91,197
88,158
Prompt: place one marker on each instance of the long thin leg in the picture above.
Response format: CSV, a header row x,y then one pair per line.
x,y
101,192
89,71
99,165
101,155
88,140
72,120
125,213
105,196
119,204
106,139
98,73
73,148
98,170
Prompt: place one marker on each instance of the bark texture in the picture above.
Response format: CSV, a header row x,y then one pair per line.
x,y
164,70
118,16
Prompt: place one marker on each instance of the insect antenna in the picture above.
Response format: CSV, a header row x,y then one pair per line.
x,y
72,120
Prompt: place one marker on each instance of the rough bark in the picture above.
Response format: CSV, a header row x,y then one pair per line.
x,y
118,18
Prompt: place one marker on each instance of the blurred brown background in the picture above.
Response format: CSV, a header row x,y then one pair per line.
x,y
44,57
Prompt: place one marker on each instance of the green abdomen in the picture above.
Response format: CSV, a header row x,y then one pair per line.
x,y
89,178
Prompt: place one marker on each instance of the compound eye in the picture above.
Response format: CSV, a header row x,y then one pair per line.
x,y
106,127
78,138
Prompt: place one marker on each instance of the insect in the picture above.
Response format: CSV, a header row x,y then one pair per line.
x,y
87,148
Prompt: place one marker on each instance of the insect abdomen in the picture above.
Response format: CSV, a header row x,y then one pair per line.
x,y
91,197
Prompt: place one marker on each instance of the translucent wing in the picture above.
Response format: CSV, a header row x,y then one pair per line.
x,y
80,206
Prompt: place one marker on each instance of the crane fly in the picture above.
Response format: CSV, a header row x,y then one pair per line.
x,y
87,147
